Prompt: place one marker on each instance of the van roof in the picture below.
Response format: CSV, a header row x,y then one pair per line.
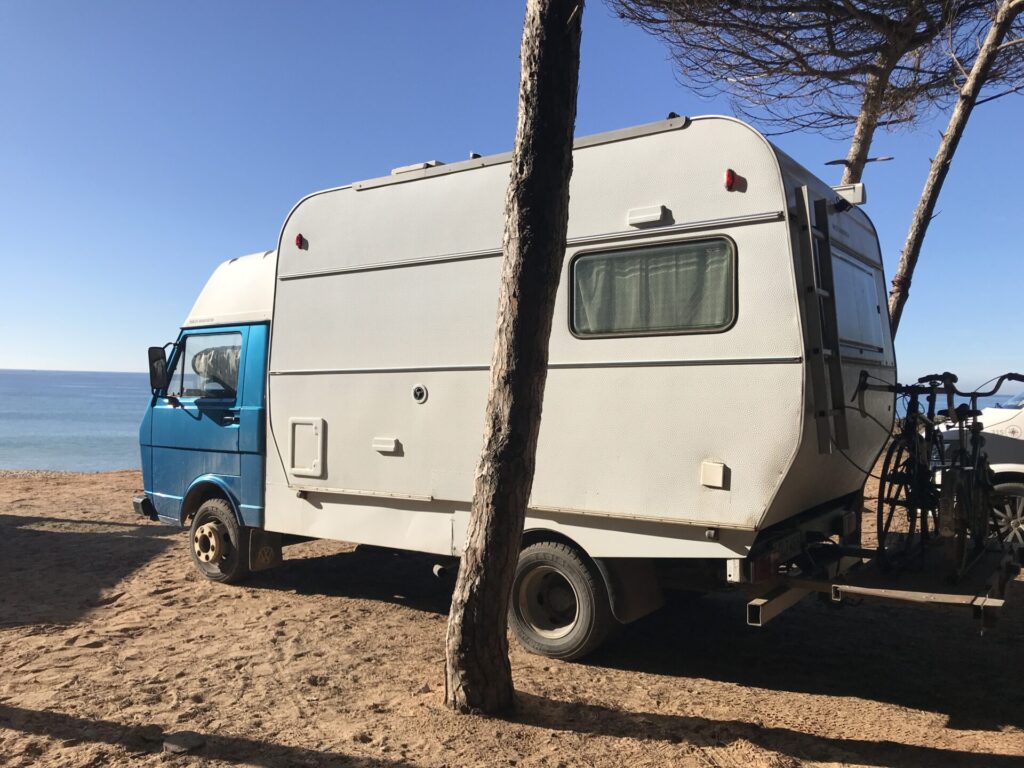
x,y
240,290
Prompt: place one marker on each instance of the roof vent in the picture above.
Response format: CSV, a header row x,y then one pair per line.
x,y
416,167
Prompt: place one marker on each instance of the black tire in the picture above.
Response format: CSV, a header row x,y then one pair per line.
x,y
894,502
559,605
218,545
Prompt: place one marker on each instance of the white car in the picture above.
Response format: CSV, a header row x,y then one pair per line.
x,y
1004,443
1003,428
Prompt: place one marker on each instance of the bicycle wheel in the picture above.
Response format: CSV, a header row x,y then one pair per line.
x,y
896,516
929,512
969,505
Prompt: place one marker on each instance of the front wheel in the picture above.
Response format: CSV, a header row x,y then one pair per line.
x,y
219,545
559,606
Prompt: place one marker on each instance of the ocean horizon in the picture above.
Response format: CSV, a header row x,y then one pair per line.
x,y
78,421
85,421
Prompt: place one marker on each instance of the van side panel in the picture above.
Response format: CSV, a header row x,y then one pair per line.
x,y
396,288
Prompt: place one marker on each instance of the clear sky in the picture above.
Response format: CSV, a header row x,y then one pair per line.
x,y
143,143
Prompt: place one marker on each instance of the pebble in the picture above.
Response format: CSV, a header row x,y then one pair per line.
x,y
183,741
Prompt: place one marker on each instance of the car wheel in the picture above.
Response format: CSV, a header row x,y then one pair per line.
x,y
219,546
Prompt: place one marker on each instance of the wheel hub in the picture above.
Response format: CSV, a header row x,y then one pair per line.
x,y
210,542
548,603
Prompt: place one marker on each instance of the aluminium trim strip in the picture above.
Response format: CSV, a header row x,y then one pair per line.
x,y
535,510
640,518
608,137
353,492
491,253
603,364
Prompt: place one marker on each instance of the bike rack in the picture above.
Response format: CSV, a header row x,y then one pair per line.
x,y
787,592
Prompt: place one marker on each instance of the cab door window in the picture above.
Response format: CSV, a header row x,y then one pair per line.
x,y
207,366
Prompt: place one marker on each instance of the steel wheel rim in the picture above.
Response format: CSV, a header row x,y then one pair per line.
x,y
548,602
210,542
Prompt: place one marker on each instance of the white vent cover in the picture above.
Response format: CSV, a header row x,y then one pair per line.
x,y
653,214
712,474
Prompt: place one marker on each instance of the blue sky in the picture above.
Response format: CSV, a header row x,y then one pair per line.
x,y
143,143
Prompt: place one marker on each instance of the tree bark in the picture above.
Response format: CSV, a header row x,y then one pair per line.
x,y
867,121
1004,17
478,675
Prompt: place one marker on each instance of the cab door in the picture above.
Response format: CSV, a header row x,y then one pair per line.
x,y
196,421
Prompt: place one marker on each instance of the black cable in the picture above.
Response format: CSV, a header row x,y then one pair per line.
x,y
883,381
865,414
854,463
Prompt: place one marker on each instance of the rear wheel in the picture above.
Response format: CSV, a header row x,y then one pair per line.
x,y
559,605
219,546
896,517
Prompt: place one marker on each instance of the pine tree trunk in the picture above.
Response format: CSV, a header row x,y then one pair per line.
x,y
867,121
478,675
923,214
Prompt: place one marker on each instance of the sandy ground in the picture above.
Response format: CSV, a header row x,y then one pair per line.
x,y
109,641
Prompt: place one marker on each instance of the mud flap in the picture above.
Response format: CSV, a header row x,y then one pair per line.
x,y
633,587
264,549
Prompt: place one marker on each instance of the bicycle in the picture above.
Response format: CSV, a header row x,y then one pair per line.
x,y
906,485
968,508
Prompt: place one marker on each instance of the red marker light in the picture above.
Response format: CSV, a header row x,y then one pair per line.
x,y
730,179
300,241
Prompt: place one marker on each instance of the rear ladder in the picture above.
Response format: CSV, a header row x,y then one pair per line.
x,y
823,353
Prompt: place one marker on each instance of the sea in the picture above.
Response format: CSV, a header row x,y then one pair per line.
x,y
71,420
82,422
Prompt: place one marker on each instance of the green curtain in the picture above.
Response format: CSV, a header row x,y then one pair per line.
x,y
681,287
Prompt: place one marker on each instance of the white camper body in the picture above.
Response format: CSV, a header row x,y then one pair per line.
x,y
680,433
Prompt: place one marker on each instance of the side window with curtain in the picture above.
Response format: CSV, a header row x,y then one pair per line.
x,y
676,288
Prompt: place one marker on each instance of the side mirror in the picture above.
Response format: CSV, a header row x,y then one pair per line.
x,y
158,378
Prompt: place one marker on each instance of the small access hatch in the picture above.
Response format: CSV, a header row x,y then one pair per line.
x,y
306,446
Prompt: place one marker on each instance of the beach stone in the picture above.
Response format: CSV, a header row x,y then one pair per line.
x,y
151,733
183,741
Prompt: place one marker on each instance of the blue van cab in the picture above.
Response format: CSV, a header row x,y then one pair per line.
x,y
202,438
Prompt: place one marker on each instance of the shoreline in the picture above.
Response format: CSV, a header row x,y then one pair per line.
x,y
55,474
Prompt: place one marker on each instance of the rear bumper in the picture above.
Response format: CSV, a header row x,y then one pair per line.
x,y
827,529
144,506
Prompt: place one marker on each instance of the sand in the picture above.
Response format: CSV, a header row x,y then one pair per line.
x,y
110,643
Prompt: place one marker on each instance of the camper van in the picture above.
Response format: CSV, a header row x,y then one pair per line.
x,y
715,310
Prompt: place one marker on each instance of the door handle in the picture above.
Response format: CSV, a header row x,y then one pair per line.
x,y
230,417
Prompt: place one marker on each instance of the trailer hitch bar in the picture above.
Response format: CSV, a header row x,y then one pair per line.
x,y
789,592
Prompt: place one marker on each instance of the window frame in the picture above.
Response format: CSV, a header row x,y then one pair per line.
x,y
734,264
181,347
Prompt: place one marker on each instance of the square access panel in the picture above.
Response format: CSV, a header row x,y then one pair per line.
x,y
306,446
